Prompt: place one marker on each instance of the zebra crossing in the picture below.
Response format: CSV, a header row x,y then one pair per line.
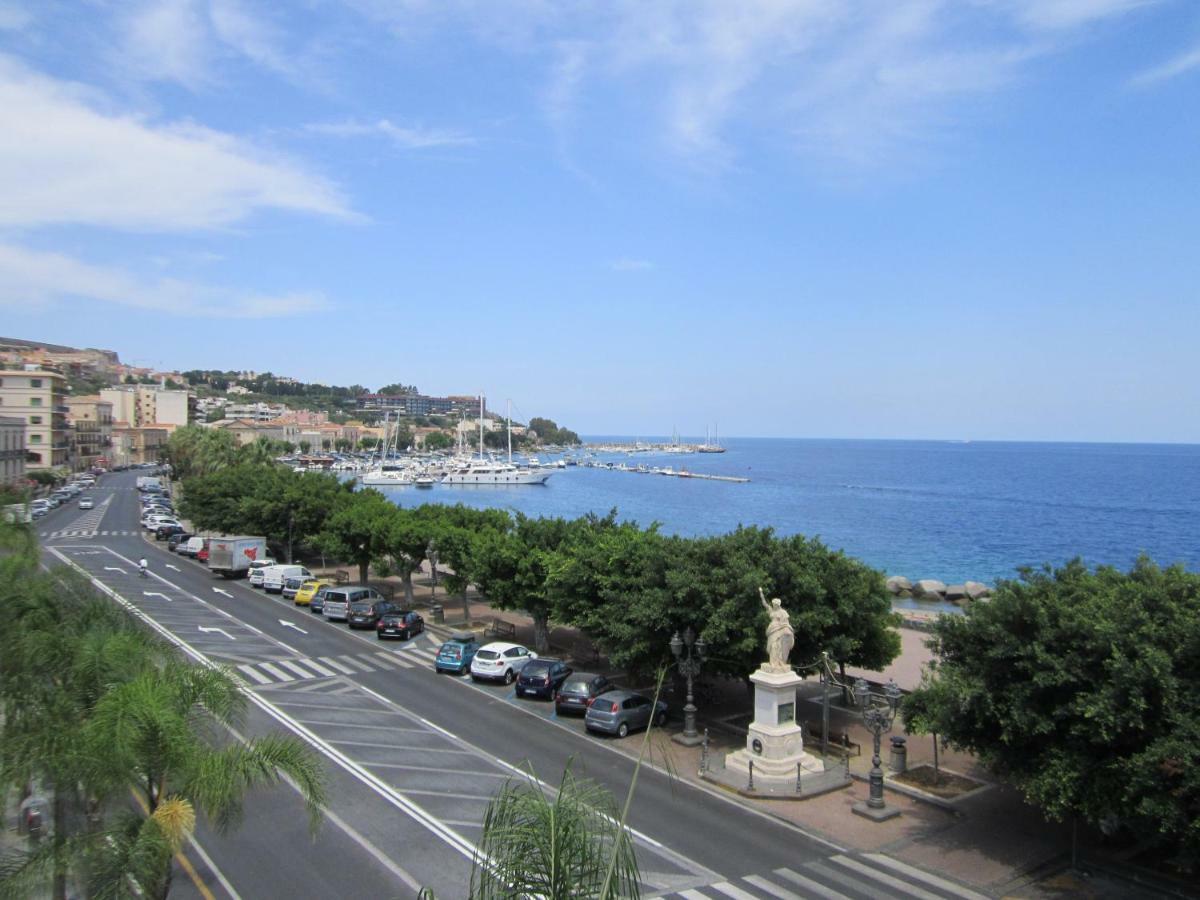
x,y
845,876
302,668
85,532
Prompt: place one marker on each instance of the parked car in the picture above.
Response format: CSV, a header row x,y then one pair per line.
x,y
87,503
316,606
291,586
400,623
177,540
308,588
542,677
164,531
258,569
274,576
619,712
366,613
578,692
151,522
456,654
193,547
338,600
500,661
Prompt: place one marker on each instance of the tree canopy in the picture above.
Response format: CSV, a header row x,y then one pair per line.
x,y
1080,687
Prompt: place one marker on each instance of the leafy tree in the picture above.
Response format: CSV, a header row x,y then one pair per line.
x,y
398,389
1080,687
368,442
438,440
288,507
359,529
45,476
548,432
406,541
457,537
192,451
305,446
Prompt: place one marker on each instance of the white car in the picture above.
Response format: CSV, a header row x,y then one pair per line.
x,y
153,521
86,503
500,661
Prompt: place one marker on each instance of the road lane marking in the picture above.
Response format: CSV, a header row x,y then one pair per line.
x,y
317,667
357,725
771,888
286,624
733,891
358,663
908,890
921,875
205,630
278,673
466,773
438,750
387,657
330,661
291,666
254,673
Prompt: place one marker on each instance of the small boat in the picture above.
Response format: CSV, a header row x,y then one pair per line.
x,y
424,481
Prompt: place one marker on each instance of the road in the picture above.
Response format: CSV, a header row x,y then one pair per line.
x,y
413,757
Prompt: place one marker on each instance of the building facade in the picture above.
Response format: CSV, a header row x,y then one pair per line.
x,y
12,450
38,397
91,431
132,446
418,405
144,405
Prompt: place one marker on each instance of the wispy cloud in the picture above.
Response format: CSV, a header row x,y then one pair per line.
x,y
39,278
14,16
1182,64
630,265
64,162
406,137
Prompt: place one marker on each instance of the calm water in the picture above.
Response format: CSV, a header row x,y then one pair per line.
x,y
925,509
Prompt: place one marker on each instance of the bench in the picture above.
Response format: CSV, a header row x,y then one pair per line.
x,y
501,628
341,576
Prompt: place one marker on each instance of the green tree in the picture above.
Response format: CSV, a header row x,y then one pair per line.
x,y
438,440
1079,686
288,507
305,446
406,540
359,529
459,533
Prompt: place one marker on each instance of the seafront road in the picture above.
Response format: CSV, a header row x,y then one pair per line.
x,y
413,757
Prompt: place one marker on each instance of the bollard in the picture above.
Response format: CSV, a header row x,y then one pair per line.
x,y
438,613
847,758
899,761
704,754
799,775
750,784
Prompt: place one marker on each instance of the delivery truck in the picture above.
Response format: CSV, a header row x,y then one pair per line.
x,y
230,557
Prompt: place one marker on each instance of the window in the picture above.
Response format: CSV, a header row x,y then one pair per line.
x,y
35,401
35,420
35,382
35,439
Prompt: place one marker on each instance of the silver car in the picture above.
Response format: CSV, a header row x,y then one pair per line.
x,y
619,712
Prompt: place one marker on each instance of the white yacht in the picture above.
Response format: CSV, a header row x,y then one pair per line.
x,y
385,474
487,471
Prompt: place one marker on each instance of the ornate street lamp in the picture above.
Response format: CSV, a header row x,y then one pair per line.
x,y
879,719
689,666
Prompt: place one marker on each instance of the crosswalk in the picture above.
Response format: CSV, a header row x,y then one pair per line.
x,y
846,876
85,532
283,671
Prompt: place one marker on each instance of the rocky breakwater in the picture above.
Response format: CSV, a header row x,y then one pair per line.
x,y
931,590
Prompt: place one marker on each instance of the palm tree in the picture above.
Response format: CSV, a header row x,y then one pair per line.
x,y
156,731
558,847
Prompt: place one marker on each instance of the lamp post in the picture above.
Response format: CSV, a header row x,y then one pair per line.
x,y
689,666
432,554
878,719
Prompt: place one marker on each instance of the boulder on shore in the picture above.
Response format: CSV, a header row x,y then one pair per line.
x,y
899,585
977,591
929,589
956,593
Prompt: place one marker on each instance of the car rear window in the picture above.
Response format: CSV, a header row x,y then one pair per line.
x,y
360,607
488,654
581,687
537,666
336,597
454,651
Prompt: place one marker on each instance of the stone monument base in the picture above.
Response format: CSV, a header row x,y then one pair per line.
x,y
875,815
774,742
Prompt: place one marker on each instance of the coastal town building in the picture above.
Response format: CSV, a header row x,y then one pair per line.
x,y
418,405
247,431
12,450
144,405
73,362
254,412
91,421
38,397
132,445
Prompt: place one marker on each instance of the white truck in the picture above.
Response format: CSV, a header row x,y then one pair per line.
x,y
148,483
230,557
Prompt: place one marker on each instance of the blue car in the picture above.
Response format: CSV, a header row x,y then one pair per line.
x,y
456,654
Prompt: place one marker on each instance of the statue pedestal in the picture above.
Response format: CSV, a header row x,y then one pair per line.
x,y
774,742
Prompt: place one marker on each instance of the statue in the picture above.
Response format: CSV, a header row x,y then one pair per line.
x,y
780,636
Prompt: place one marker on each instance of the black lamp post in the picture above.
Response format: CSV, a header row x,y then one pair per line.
x,y
689,666
879,719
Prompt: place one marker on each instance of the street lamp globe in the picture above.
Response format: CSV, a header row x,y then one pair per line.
x,y
702,648
677,646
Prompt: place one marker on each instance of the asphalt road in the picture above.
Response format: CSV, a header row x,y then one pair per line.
x,y
413,757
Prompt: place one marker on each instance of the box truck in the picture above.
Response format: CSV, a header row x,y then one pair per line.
x,y
231,556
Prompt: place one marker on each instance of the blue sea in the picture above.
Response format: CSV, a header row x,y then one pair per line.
x,y
926,509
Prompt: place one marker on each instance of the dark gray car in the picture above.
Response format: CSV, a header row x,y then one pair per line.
x,y
619,712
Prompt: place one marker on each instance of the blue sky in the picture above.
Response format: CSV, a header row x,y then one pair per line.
x,y
913,218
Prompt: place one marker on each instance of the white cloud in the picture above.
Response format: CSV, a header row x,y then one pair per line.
x,y
1066,14
630,265
166,40
64,162
404,137
251,36
39,278
1172,68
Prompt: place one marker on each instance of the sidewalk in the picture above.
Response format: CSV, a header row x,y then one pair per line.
x,y
989,839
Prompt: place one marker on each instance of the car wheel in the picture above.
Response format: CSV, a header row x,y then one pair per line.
x,y
661,719
623,730
509,677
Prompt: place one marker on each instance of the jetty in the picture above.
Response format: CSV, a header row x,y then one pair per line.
x,y
668,471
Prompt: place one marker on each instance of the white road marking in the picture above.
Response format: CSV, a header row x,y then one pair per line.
x,y
287,624
218,590
278,673
771,888
317,667
909,890
218,631
254,673
733,891
330,661
299,670
920,875
156,594
810,886
387,657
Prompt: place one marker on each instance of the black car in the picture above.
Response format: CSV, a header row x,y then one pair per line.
x,y
578,692
163,532
542,677
399,623
366,613
177,539
316,605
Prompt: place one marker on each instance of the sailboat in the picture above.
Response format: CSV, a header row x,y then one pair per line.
x,y
713,446
384,474
490,471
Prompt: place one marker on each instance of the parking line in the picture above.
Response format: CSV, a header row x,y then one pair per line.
x,y
438,750
464,772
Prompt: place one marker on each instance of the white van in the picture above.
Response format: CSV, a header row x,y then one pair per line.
x,y
274,577
193,546
257,569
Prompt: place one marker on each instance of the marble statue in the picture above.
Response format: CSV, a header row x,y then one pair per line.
x,y
780,636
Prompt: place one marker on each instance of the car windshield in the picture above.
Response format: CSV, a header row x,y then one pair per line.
x,y
487,654
578,687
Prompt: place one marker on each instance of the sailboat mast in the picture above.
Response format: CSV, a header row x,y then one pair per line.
x,y
481,425
509,417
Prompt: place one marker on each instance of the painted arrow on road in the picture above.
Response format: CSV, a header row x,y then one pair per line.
x,y
114,569
157,594
218,631
287,624
169,566
226,593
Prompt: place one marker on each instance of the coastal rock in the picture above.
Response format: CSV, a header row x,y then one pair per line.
x,y
977,591
899,585
928,589
956,593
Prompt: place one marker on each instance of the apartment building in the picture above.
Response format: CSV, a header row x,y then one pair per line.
x,y
144,405
12,450
91,421
132,445
38,397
